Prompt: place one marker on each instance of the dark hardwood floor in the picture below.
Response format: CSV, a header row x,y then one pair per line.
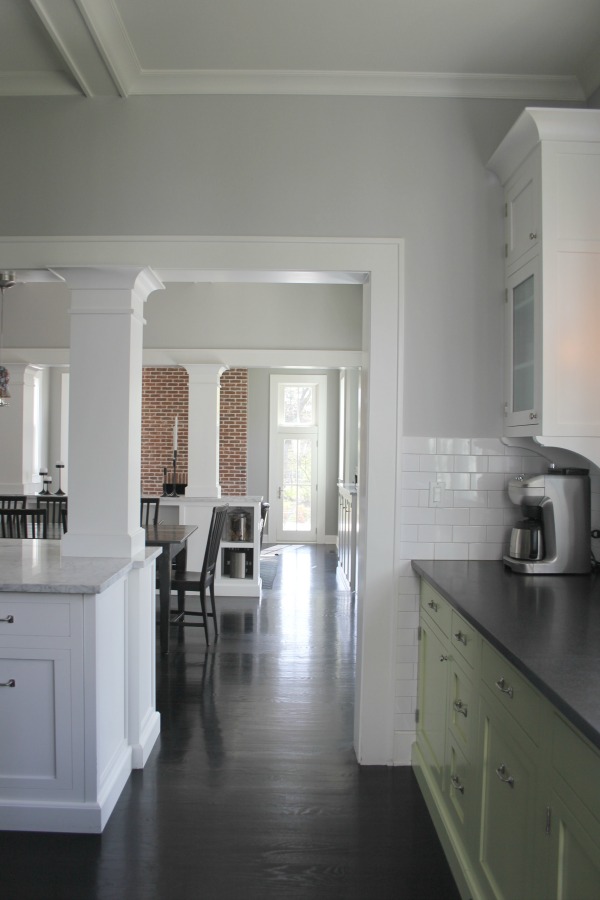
x,y
253,790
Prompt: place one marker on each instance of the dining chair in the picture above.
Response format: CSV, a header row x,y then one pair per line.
x,y
13,501
23,523
149,511
183,582
56,511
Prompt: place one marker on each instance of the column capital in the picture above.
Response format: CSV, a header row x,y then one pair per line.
x,y
204,373
142,280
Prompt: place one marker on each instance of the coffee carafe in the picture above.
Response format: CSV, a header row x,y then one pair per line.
x,y
555,537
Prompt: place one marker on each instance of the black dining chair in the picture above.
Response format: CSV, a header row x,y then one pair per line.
x,y
149,511
199,582
23,523
13,501
56,512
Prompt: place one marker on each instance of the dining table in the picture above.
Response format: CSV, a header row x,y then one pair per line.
x,y
172,539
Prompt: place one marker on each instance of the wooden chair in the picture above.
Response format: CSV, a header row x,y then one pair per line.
x,y
149,511
183,582
13,501
56,511
23,523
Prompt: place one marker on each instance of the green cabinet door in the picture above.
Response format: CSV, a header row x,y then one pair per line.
x,y
574,850
433,683
509,814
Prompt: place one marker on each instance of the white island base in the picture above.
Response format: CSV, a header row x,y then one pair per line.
x,y
77,684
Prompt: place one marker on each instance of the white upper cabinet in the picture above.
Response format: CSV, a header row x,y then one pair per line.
x,y
549,166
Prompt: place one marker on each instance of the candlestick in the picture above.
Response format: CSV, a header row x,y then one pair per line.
x,y
60,466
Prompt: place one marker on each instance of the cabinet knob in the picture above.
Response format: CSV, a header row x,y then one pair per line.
x,y
443,658
532,235
432,605
461,637
533,415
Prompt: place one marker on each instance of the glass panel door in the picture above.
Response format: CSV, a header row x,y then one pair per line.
x,y
298,487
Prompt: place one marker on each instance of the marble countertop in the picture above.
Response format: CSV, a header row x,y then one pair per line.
x,y
548,626
33,566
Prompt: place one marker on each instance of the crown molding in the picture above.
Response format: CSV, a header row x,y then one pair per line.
x,y
357,84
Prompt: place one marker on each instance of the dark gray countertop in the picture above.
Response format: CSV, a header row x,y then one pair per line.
x,y
548,626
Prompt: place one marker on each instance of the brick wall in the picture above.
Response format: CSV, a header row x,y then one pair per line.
x,y
233,466
164,396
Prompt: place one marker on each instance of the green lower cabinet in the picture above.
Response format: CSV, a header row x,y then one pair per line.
x,y
510,816
573,851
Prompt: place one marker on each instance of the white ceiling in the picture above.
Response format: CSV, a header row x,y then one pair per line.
x,y
546,50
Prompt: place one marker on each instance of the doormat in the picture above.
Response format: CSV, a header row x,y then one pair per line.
x,y
278,548
269,567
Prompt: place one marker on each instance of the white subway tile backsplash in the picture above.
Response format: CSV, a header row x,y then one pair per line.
x,y
415,481
415,550
451,551
470,463
410,462
486,516
482,481
454,445
409,532
470,499
418,516
419,444
498,534
436,463
469,534
435,533
409,498
499,500
507,464
452,516
486,551
487,446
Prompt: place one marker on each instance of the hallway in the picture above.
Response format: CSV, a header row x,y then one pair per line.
x,y
253,790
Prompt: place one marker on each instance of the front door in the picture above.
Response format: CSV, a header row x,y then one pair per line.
x,y
298,405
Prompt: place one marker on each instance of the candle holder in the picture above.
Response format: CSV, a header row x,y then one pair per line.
x,y
47,483
60,466
173,492
42,473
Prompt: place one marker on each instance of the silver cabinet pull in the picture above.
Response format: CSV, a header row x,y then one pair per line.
x,y
443,658
533,415
504,778
461,637
532,235
9,618
504,688
432,605
10,683
456,784
460,707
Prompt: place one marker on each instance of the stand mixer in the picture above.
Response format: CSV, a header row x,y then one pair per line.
x,y
555,537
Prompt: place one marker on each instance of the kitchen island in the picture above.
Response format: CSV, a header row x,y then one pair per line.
x,y
77,683
508,727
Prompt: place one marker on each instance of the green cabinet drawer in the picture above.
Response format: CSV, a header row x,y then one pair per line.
x,y
465,639
512,690
437,608
462,708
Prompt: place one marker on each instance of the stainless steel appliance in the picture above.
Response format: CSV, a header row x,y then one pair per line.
x,y
555,537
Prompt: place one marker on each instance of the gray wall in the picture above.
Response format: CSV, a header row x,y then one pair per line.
x,y
411,168
258,436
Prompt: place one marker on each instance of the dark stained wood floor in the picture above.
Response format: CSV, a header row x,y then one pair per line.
x,y
253,790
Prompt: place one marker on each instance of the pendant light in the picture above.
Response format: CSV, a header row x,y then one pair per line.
x,y
7,279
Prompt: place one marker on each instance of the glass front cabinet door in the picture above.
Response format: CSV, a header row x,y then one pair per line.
x,y
523,364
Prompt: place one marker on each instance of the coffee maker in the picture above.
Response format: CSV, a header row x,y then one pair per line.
x,y
554,538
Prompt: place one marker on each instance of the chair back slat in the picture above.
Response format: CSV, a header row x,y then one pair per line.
x,y
213,541
56,509
149,511
23,523
13,501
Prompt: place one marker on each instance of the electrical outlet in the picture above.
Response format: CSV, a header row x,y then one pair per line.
x,y
436,493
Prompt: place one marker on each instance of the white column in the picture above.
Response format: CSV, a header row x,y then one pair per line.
x,y
105,410
17,433
203,430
